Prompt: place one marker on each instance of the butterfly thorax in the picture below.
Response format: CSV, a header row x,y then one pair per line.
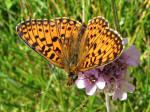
x,y
72,71
75,56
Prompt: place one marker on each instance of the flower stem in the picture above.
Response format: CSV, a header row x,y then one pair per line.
x,y
107,98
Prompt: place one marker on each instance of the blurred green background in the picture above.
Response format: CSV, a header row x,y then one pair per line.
x,y
29,83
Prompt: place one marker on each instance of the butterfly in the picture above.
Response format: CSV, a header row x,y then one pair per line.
x,y
71,45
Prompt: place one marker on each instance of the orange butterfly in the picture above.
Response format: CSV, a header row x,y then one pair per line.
x,y
71,45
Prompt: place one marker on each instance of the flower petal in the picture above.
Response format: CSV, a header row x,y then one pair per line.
x,y
124,96
118,94
132,56
128,87
125,41
80,83
101,83
90,90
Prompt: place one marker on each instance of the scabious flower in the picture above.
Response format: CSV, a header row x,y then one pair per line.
x,y
112,78
91,81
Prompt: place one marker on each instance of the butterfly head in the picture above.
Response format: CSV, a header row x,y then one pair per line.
x,y
72,78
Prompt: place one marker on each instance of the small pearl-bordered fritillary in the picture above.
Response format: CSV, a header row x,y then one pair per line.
x,y
71,45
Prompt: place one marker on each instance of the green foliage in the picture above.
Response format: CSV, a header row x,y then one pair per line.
x,y
29,83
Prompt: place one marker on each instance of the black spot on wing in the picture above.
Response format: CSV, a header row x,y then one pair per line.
x,y
43,39
34,45
54,39
47,51
99,51
57,50
52,56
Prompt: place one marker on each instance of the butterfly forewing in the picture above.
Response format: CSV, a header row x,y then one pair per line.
x,y
95,28
49,37
104,45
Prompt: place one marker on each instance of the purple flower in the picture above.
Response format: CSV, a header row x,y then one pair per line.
x,y
112,78
132,56
91,81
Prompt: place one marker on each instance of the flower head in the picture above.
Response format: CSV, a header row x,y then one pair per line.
x,y
91,81
112,78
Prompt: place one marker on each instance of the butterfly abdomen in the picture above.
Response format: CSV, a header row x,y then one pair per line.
x,y
72,78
